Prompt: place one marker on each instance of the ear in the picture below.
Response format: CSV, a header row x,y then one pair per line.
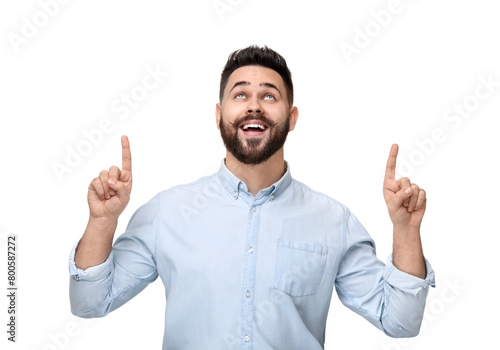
x,y
294,115
218,111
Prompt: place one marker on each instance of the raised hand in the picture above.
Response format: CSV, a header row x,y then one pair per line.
x,y
109,194
405,201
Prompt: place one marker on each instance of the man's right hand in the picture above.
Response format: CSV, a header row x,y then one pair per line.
x,y
107,197
109,193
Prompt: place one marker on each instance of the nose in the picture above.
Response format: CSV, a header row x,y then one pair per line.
x,y
254,106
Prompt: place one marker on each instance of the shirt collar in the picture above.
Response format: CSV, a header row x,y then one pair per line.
x,y
234,185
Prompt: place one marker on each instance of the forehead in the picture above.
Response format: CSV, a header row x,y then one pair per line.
x,y
255,75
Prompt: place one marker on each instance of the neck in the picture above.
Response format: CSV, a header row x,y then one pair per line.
x,y
258,176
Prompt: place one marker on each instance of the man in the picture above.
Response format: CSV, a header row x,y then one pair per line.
x,y
249,256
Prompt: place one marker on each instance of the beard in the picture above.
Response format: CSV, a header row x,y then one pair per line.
x,y
253,150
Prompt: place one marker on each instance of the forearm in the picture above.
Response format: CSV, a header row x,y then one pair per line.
x,y
407,253
96,243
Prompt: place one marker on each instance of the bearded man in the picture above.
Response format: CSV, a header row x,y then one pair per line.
x,y
256,265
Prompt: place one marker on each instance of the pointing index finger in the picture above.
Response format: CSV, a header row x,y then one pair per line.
x,y
390,170
126,155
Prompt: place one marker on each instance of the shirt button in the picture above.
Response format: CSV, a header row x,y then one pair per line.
x,y
246,337
250,250
241,186
247,294
272,196
254,209
235,194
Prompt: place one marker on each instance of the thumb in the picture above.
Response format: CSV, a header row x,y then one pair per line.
x,y
120,189
399,198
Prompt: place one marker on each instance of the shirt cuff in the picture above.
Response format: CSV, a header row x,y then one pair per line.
x,y
92,273
405,281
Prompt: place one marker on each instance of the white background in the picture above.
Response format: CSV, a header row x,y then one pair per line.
x,y
63,77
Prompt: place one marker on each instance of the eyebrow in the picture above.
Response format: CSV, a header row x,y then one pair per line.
x,y
244,83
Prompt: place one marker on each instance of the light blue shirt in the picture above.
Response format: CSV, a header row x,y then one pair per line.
x,y
250,273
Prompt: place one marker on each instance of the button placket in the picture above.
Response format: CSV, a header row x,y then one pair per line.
x,y
249,270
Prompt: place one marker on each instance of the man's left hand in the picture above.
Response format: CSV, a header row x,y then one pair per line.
x,y
405,201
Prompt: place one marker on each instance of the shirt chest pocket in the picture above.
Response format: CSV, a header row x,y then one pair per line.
x,y
299,267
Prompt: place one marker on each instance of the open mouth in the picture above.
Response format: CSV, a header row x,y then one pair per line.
x,y
253,128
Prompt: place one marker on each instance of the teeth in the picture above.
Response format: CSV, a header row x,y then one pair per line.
x,y
261,127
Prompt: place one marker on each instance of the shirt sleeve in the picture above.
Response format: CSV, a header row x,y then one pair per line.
x,y
390,299
129,268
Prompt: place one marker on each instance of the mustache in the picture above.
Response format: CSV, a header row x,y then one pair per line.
x,y
255,116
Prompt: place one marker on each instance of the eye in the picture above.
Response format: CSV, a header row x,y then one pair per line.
x,y
269,97
240,95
